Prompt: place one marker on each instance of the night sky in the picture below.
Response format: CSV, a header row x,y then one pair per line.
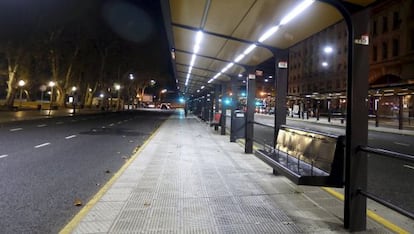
x,y
138,24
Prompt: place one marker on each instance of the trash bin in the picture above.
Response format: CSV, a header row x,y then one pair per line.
x,y
238,125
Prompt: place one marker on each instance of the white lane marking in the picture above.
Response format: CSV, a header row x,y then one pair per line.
x,y
119,122
408,166
60,122
403,144
42,145
69,137
3,156
15,129
103,127
112,124
41,125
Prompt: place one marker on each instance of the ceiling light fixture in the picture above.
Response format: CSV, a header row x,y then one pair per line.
x,y
296,11
286,19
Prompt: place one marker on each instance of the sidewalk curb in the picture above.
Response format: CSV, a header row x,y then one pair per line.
x,y
74,222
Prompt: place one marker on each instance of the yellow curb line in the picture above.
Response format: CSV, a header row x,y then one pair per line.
x,y
81,214
371,214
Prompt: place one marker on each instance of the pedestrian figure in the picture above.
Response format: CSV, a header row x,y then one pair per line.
x,y
185,109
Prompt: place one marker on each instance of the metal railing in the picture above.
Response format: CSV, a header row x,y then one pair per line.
x,y
266,145
389,154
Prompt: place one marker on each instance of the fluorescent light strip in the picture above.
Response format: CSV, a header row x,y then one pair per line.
x,y
291,15
239,58
193,58
296,11
249,49
196,49
268,33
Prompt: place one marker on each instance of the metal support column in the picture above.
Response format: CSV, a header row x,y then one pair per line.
x,y
400,112
210,106
251,98
234,91
216,102
223,109
281,82
356,123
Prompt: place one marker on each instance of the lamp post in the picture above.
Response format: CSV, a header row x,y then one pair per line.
x,y
74,99
118,88
51,85
131,78
21,84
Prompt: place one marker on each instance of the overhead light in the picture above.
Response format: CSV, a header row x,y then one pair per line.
x,y
249,49
296,11
270,77
217,75
198,90
240,57
324,64
190,69
211,80
196,49
227,67
327,49
193,60
202,87
268,33
199,37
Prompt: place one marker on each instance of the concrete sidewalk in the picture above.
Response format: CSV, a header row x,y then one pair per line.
x,y
188,179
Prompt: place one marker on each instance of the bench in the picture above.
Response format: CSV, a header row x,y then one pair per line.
x,y
216,121
307,157
339,116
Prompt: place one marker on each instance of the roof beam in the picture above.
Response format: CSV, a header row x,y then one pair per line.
x,y
209,57
204,69
271,48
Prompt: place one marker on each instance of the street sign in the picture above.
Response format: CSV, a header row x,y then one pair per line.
x,y
282,64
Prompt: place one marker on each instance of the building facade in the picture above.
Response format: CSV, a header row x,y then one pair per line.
x,y
318,65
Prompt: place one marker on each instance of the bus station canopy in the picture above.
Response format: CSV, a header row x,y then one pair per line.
x,y
214,40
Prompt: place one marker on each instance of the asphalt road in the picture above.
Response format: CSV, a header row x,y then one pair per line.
x,y
390,179
45,165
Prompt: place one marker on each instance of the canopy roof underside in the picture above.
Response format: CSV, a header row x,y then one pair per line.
x,y
230,27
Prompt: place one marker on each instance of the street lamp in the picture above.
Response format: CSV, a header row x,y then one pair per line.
x,y
74,99
51,85
117,88
131,78
21,84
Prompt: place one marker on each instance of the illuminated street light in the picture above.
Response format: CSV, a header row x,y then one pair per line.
x,y
51,85
325,64
328,50
74,88
101,95
118,88
131,76
21,84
